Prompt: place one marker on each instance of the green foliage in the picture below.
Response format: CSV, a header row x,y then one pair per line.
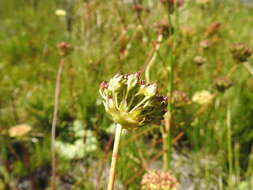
x,y
211,150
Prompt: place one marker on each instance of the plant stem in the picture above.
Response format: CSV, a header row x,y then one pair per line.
x,y
55,116
152,60
167,144
114,157
229,147
248,67
166,141
166,150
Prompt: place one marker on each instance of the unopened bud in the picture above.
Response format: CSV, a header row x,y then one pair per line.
x,y
115,82
132,80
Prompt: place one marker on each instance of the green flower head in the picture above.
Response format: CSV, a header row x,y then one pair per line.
x,y
131,102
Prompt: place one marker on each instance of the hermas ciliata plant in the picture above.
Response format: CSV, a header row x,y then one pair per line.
x,y
131,103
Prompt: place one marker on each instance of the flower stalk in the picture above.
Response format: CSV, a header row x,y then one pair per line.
x,y
64,50
55,117
114,157
131,103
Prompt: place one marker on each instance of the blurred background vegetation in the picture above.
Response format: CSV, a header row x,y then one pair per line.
x,y
212,138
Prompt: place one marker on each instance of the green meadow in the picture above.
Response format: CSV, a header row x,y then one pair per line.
x,y
198,53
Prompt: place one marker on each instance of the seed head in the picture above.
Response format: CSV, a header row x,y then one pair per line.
x,y
204,44
180,98
212,28
164,27
60,12
240,52
203,97
64,48
223,83
19,130
132,102
199,60
158,180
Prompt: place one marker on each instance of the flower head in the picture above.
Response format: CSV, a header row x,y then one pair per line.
x,y
223,83
240,52
64,48
19,130
180,98
60,12
158,180
199,60
132,102
204,44
213,28
203,97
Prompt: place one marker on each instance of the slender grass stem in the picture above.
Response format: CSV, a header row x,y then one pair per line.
x,y
55,117
166,147
229,148
248,67
152,60
167,144
166,141
114,157
231,71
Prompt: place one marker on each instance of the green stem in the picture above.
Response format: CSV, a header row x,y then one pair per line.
x,y
248,67
166,130
152,60
229,147
166,149
54,123
114,157
138,105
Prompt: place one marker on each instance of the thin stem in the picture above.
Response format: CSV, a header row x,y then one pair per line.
x,y
139,104
166,141
248,67
229,148
231,71
152,60
165,149
167,144
114,157
55,116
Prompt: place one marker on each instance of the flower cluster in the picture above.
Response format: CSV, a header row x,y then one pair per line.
x,y
131,102
158,180
64,48
203,97
223,83
60,12
180,98
19,130
240,52
199,60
